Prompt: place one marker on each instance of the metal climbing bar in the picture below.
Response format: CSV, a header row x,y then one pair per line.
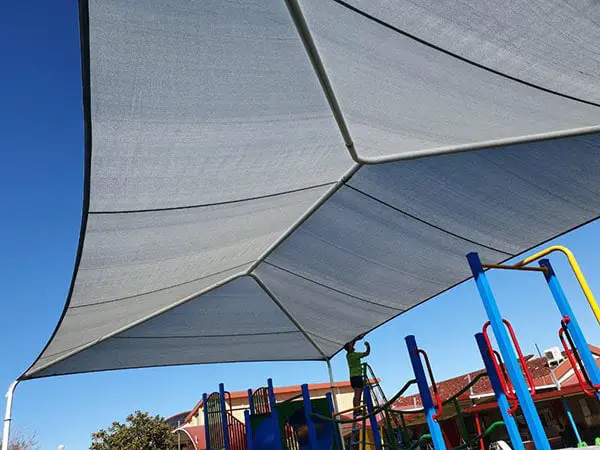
x,y
576,270
430,411
499,391
438,400
572,325
506,349
575,360
507,383
507,267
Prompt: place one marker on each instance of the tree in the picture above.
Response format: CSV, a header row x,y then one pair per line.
x,y
18,441
139,432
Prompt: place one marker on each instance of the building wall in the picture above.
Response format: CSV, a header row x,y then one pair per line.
x,y
239,404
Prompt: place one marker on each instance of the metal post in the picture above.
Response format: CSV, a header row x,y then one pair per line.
x,y
564,306
335,402
206,427
249,440
312,433
506,349
178,435
274,415
332,384
224,416
426,400
509,420
372,418
335,430
571,420
251,402
7,414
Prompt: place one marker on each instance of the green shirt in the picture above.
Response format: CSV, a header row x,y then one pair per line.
x,y
354,363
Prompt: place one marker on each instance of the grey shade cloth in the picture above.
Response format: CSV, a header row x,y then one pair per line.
x,y
214,158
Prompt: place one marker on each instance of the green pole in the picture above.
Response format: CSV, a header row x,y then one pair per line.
x,y
461,421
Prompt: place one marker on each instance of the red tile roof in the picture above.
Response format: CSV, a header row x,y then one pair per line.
x,y
538,367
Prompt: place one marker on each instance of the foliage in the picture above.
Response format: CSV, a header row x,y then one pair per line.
x,y
140,432
19,441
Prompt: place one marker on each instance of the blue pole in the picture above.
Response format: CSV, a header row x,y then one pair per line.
x,y
334,428
206,427
274,415
312,433
372,418
224,416
251,402
506,349
434,426
249,440
509,421
564,306
571,420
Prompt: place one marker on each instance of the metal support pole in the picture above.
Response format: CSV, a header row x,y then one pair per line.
x,y
334,396
506,349
206,427
7,414
509,420
335,430
224,416
571,420
312,433
372,418
274,415
249,437
564,306
426,400
178,435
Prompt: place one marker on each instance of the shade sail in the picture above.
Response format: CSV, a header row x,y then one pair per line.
x,y
225,219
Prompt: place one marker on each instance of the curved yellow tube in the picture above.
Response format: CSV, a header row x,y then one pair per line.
x,y
576,270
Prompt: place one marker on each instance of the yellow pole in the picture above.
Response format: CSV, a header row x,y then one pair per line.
x,y
576,270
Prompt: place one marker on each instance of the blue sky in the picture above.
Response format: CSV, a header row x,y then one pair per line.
x,y
41,142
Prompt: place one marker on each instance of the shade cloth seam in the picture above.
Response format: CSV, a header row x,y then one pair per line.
x,y
206,205
332,288
425,222
163,289
459,57
209,335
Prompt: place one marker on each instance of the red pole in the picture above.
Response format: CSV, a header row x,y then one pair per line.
x,y
478,424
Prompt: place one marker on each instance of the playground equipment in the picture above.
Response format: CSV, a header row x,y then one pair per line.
x,y
513,386
270,425
302,423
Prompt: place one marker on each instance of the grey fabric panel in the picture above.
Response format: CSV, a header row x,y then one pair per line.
x,y
320,311
137,263
84,324
240,307
127,353
128,254
398,95
509,198
189,96
368,250
553,43
236,322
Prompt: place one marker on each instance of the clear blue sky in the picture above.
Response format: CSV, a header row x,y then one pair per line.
x,y
41,149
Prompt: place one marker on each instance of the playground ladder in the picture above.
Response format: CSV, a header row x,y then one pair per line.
x,y
379,396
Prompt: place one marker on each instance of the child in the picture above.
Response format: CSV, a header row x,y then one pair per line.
x,y
355,368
